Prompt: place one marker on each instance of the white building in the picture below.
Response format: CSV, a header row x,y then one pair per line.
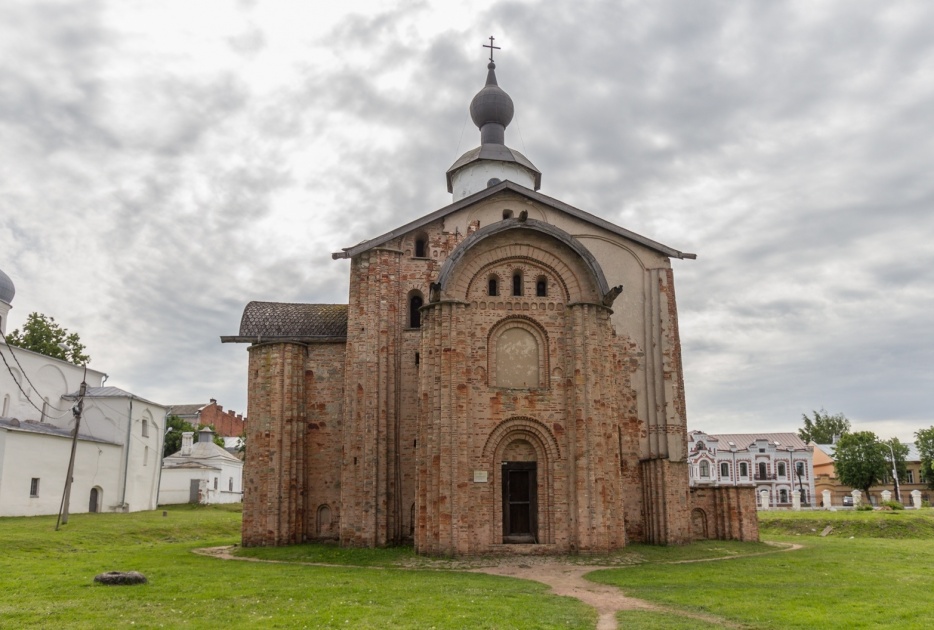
x,y
201,473
119,446
779,464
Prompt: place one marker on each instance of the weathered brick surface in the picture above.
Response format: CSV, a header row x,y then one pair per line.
x,y
402,432
724,513
226,423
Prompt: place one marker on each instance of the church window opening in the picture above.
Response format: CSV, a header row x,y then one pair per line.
x,y
492,287
781,469
45,411
421,246
415,314
215,483
705,469
145,427
417,358
725,470
230,484
743,469
6,405
541,287
34,487
517,283
146,456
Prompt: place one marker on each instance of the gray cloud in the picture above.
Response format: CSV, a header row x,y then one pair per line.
x,y
786,143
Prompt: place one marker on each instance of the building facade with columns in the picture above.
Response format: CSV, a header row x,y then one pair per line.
x,y
780,465
506,375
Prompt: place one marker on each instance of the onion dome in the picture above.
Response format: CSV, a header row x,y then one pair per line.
x,y
492,110
7,290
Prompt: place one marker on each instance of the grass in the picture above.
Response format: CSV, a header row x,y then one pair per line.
x,y
878,578
405,557
46,580
872,570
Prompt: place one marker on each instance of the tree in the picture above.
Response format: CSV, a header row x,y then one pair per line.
x,y
924,441
824,427
173,438
859,460
41,334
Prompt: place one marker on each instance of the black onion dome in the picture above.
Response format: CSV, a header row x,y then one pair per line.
x,y
491,104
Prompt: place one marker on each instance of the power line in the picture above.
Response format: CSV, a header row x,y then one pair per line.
x,y
26,376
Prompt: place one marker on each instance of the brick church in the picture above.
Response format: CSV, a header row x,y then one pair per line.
x,y
506,376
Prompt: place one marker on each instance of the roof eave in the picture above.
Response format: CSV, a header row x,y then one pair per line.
x,y
350,252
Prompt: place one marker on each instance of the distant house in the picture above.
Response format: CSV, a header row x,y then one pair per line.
x,y
119,447
825,478
780,464
201,472
229,425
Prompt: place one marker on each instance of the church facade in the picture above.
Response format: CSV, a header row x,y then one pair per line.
x,y
506,376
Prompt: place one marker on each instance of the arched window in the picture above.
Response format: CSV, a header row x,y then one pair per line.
x,y
762,470
781,469
145,456
145,427
541,287
493,286
705,469
517,283
783,496
799,468
724,470
743,469
230,484
421,246
415,315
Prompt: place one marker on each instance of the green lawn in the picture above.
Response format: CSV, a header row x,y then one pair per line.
x,y
873,571
46,581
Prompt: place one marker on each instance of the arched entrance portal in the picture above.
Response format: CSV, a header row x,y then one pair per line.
x,y
94,505
520,502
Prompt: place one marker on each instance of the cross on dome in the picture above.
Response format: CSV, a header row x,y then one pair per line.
x,y
491,47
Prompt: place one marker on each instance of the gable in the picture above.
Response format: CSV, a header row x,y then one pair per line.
x,y
530,195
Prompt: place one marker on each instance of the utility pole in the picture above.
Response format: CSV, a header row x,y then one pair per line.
x,y
898,493
76,410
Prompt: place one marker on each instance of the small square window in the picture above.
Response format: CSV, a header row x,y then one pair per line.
x,y
34,487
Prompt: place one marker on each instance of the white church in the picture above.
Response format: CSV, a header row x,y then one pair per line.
x,y
119,447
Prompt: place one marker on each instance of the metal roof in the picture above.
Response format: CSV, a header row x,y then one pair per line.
x,y
745,440
183,411
350,252
109,392
496,153
278,321
44,428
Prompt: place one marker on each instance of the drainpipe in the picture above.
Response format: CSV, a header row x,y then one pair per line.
x,y
165,431
126,458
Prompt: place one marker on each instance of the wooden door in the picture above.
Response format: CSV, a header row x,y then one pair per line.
x,y
520,502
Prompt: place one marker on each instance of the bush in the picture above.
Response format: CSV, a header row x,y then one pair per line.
x,y
893,505
865,507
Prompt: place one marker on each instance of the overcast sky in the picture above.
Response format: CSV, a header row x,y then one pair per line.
x,y
162,163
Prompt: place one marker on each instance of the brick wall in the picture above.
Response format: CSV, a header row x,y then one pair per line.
x,y
226,423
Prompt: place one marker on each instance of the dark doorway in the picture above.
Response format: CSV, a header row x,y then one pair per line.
x,y
520,502
95,503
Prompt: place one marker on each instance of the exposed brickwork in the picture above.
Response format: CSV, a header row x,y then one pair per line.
x,y
226,423
403,432
724,513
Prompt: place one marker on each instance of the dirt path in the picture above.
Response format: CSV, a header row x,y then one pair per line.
x,y
563,578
